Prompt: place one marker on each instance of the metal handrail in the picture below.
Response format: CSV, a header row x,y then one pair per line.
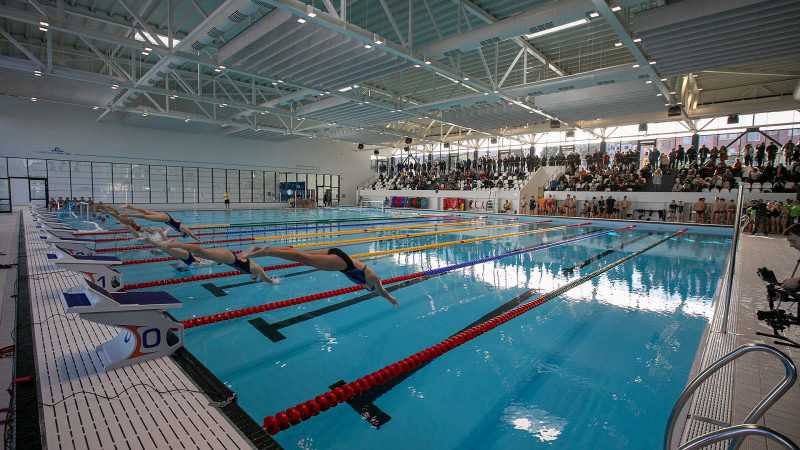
x,y
737,224
738,433
758,410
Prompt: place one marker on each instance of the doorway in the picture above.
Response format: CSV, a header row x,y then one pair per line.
x,y
29,191
645,148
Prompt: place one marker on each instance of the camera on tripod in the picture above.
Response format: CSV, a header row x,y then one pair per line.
x,y
777,318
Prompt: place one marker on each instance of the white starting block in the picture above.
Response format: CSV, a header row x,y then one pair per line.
x,y
57,237
54,226
149,332
98,268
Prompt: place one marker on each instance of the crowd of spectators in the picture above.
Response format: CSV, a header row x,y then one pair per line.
x,y
683,170
483,173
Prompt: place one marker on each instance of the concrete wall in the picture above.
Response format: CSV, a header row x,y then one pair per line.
x,y
33,130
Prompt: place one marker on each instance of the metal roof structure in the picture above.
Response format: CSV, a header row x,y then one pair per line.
x,y
376,71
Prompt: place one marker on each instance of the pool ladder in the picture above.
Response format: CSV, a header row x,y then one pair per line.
x,y
737,433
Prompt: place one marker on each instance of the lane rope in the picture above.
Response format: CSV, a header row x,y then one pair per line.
x,y
234,314
310,408
233,273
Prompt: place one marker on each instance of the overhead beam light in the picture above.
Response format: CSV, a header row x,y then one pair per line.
x,y
346,88
558,28
417,66
312,14
44,26
594,14
618,44
637,40
34,99
635,66
378,42
652,63
95,108
367,46
301,20
664,79
222,105
37,73
648,82
115,86
616,8
144,114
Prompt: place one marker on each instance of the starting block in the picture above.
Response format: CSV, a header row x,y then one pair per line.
x,y
98,268
148,331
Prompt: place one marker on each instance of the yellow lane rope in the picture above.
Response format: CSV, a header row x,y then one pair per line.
x,y
362,230
417,248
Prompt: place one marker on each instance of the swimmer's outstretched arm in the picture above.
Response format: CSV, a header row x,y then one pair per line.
x,y
374,281
189,232
218,255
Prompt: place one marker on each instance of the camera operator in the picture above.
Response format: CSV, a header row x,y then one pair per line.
x,y
761,219
793,236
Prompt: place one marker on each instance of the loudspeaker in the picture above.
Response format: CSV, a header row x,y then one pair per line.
x,y
376,152
733,118
407,148
555,124
643,127
360,146
673,111
446,145
408,140
571,133
493,140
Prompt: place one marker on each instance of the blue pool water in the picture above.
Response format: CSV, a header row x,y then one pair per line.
x,y
598,367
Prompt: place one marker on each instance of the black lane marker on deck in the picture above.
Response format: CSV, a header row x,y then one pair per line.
x,y
367,410
569,270
271,330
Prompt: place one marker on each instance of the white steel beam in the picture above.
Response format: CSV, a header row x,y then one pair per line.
x,y
252,33
511,67
390,16
28,54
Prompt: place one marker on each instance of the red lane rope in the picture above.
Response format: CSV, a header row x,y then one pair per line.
x,y
146,247
305,410
207,276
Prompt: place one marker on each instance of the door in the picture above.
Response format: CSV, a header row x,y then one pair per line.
x,y
5,195
645,147
38,191
20,192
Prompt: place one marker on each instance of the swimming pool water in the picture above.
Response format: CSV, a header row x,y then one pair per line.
x,y
598,367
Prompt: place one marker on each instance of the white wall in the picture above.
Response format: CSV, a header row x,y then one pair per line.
x,y
436,198
32,130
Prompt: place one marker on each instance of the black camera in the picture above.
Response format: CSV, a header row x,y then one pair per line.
x,y
777,318
767,275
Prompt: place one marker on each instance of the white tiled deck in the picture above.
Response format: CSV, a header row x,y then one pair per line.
x,y
84,407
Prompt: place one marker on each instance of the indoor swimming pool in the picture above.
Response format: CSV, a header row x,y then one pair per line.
x,y
599,366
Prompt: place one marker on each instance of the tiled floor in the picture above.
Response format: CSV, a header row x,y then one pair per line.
x,y
146,406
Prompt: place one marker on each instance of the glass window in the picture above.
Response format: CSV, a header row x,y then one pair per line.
x,y
270,188
158,184
58,179
190,185
3,167
246,186
140,183
18,167
100,174
258,186
122,183
219,185
174,184
37,168
233,184
205,186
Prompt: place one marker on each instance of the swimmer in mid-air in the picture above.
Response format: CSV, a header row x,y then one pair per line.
x,y
332,259
240,262
154,236
157,216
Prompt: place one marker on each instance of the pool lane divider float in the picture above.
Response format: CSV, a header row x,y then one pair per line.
x,y
444,220
233,273
312,407
234,314
293,236
263,224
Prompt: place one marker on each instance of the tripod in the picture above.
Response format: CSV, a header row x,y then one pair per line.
x,y
786,319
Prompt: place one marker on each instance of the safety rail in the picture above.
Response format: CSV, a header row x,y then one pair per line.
x,y
758,410
739,432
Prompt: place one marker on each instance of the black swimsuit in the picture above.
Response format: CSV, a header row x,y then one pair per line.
x,y
357,276
175,225
189,259
241,266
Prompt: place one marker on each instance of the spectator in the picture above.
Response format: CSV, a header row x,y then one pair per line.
x,y
699,208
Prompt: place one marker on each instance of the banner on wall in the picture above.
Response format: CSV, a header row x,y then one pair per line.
x,y
409,202
453,203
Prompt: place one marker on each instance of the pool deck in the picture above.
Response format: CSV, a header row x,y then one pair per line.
x,y
729,396
80,406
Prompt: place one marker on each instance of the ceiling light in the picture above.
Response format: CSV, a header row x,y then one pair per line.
x,y
557,28
144,114
485,93
637,40
115,86
37,73
367,46
44,24
217,69
187,120
312,14
280,81
594,14
679,103
327,92
659,94
301,20
672,92
663,79
346,88
596,118
146,53
173,97
699,89
34,99
366,101
648,82
95,108
355,86
618,44
263,113
635,66
274,83
667,104
652,63
378,42
428,63
148,49
695,75
417,66
466,78
495,91
616,8
222,105
45,29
